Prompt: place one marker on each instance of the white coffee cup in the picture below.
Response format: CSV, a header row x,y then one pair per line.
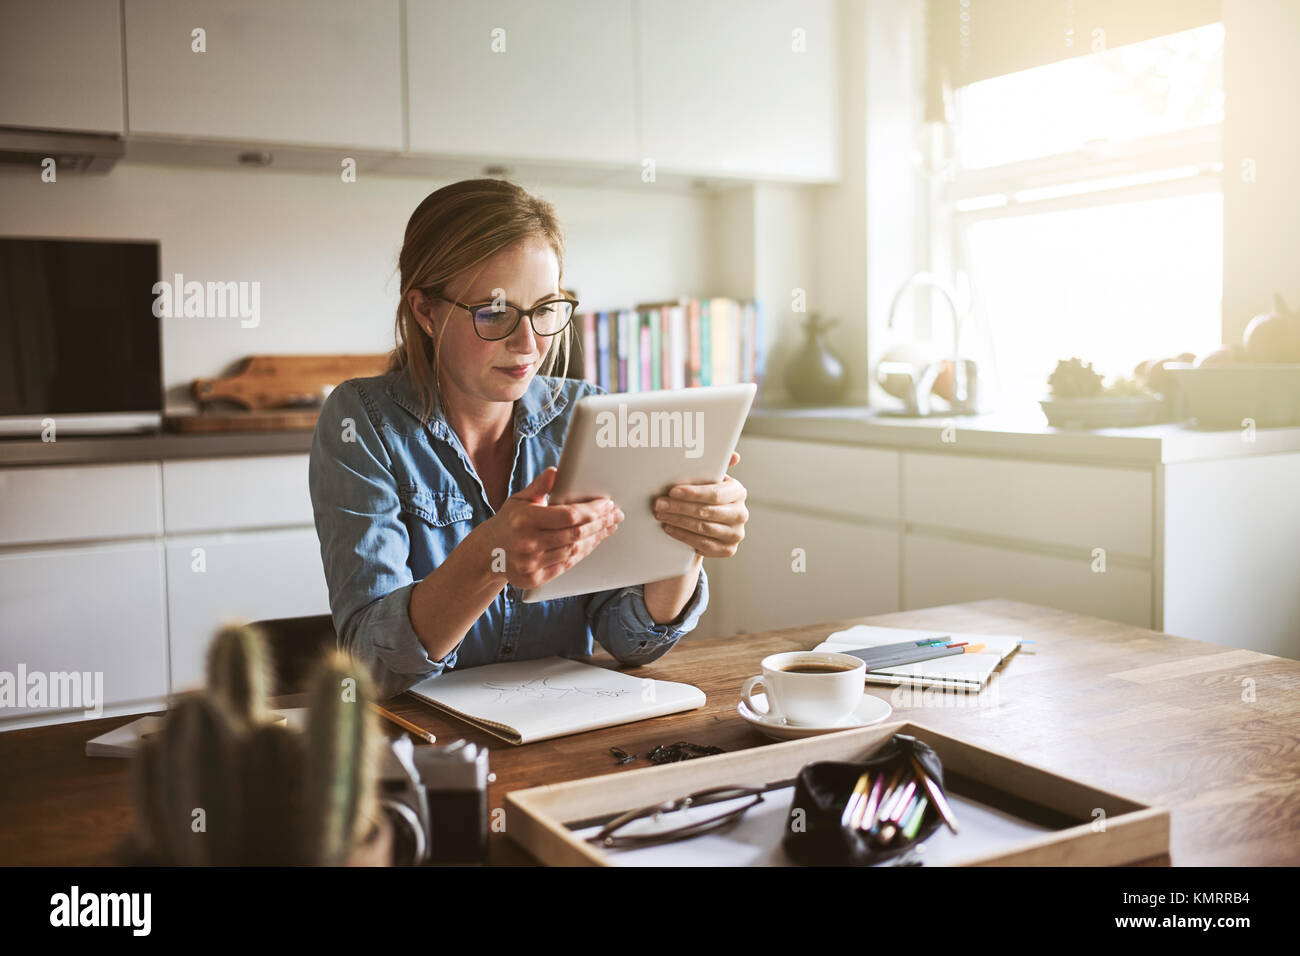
x,y
813,698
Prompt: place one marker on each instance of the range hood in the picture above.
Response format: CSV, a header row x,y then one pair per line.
x,y
71,152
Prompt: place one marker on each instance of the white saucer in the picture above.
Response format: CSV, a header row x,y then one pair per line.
x,y
872,710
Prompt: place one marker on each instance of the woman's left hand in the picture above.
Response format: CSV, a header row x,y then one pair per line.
x,y
709,517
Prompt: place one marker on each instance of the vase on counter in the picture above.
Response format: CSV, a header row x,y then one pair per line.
x,y
816,375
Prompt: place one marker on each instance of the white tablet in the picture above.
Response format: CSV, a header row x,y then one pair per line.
x,y
633,447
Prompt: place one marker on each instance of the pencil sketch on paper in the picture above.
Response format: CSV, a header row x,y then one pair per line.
x,y
511,692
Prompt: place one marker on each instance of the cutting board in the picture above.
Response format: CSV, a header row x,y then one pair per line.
x,y
275,381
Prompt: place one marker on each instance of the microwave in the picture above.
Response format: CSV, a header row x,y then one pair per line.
x,y
79,341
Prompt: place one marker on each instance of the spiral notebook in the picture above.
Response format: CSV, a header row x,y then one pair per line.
x,y
525,701
962,671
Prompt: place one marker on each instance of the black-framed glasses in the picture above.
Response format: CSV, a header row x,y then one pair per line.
x,y
609,837
493,321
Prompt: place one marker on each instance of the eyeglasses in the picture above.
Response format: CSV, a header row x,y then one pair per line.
x,y
493,321
607,837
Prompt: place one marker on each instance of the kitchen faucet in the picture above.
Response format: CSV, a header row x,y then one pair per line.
x,y
921,381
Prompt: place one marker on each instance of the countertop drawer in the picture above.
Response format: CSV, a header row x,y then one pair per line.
x,y
79,503
210,494
1075,506
836,479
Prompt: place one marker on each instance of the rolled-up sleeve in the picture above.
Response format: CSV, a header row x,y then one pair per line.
x,y
365,546
621,623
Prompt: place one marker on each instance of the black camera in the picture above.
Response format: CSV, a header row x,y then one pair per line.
x,y
435,797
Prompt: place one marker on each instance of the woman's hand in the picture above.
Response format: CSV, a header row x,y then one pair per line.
x,y
709,517
531,542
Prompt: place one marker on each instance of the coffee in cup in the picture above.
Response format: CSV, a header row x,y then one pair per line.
x,y
808,688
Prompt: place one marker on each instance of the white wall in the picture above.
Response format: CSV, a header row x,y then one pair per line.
x,y
325,252
1261,123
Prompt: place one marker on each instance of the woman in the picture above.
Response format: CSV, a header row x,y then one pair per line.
x,y
429,483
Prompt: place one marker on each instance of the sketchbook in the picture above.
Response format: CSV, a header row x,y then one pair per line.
x,y
123,741
964,671
525,701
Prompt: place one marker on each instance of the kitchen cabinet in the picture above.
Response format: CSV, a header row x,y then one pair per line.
x,y
1188,531
515,79
216,578
81,503
38,41
725,89
821,542
938,570
799,568
1066,505
204,494
1231,540
130,569
86,609
300,72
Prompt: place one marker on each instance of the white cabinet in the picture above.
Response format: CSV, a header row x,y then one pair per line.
x,y
92,610
129,570
312,72
798,568
1065,505
213,579
79,503
204,494
61,65
740,87
821,542
835,479
937,571
1232,552
515,79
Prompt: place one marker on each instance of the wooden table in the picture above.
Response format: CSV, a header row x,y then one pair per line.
x,y
1210,732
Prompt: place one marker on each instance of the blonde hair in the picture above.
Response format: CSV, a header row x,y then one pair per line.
x,y
454,229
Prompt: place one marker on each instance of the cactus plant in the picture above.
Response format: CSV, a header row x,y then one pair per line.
x,y
273,770
342,763
239,670
269,795
185,784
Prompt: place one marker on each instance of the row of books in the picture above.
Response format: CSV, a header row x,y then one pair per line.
x,y
683,343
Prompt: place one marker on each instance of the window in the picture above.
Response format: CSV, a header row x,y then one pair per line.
x,y
1082,203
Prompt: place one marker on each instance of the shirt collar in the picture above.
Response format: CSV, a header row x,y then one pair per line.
x,y
533,411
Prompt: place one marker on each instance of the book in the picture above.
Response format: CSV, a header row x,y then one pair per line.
x,y
525,701
602,350
654,318
677,346
626,355
706,343
963,671
125,740
693,343
643,328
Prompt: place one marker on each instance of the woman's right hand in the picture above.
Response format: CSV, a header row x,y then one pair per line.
x,y
531,542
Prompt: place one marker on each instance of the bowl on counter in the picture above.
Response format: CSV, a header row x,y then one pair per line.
x,y
1103,411
1222,396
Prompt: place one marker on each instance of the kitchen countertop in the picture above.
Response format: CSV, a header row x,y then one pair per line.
x,y
1000,434
1017,434
151,446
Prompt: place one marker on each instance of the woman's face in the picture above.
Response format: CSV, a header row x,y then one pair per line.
x,y
499,371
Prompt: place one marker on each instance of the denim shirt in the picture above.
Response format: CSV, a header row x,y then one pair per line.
x,y
393,494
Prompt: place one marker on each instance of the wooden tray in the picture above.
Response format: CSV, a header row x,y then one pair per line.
x,y
1132,830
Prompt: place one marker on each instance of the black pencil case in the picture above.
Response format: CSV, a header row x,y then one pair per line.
x,y
813,834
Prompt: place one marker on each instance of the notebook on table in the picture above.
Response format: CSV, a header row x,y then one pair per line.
x,y
525,701
964,671
125,740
